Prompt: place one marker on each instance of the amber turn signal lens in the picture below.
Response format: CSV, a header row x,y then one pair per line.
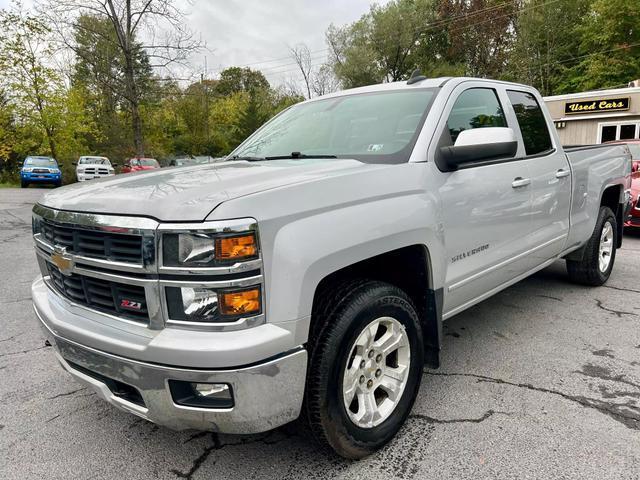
x,y
229,248
243,302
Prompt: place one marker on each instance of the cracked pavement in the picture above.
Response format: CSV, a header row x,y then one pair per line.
x,y
540,381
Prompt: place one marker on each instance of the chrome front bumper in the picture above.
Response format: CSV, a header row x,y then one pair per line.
x,y
266,395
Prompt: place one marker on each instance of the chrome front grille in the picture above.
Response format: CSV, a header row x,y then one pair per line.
x,y
115,247
110,264
115,298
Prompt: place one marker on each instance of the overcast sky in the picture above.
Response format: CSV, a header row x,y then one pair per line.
x,y
258,33
240,32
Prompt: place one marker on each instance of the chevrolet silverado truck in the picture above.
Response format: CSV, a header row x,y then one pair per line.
x,y
309,275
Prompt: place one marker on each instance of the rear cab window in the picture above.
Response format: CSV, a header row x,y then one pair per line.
x,y
533,125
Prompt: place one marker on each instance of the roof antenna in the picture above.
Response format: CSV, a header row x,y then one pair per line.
x,y
416,76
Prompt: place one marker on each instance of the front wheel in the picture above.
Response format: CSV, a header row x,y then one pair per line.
x,y
599,253
24,184
365,367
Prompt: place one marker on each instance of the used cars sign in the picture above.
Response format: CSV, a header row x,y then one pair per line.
x,y
594,106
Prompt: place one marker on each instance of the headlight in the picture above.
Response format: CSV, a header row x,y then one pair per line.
x,y
201,249
27,169
195,304
35,225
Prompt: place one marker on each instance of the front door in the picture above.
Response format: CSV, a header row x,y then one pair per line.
x,y
486,208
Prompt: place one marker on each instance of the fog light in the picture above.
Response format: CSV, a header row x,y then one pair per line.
x,y
211,390
202,395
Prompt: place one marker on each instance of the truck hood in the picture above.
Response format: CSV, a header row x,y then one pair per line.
x,y
191,193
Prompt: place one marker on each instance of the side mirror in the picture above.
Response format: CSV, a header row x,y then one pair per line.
x,y
635,166
480,144
74,163
114,165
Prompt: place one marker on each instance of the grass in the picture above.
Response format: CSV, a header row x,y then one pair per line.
x,y
9,185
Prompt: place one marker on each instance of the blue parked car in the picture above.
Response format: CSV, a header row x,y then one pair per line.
x,y
40,170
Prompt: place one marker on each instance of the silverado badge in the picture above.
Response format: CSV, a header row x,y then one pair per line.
x,y
61,259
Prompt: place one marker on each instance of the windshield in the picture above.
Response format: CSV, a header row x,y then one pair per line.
x,y
40,162
148,162
634,148
94,161
377,127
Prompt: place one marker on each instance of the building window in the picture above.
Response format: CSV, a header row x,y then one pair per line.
x,y
610,132
627,132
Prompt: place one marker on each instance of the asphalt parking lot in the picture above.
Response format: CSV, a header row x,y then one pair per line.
x,y
540,381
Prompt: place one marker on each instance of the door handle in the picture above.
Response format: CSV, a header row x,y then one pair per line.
x,y
562,173
519,182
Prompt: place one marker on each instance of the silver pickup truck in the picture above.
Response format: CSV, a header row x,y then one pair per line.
x,y
310,273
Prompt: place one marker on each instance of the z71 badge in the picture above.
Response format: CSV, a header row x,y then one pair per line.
x,y
131,305
468,253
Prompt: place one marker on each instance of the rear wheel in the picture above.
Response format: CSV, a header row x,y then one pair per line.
x,y
599,253
365,367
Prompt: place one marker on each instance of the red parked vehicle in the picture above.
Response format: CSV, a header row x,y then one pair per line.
x,y
634,216
633,220
137,164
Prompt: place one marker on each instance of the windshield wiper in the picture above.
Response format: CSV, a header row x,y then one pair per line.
x,y
248,159
298,155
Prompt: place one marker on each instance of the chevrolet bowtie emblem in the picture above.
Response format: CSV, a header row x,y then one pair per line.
x,y
61,259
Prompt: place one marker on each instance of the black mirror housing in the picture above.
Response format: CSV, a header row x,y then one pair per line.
x,y
456,156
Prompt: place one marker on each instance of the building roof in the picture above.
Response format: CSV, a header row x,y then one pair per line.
x,y
594,93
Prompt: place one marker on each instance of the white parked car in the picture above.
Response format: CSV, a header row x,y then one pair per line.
x,y
89,167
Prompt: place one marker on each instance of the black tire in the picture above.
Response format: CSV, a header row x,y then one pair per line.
x,y
587,271
24,184
57,184
340,317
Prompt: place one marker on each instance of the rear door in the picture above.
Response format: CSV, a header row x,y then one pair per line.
x,y
486,207
550,178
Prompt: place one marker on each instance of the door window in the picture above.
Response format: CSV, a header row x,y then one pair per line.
x,y
475,108
533,125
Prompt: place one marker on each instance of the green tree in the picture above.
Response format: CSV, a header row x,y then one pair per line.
x,y
36,88
236,79
609,53
385,44
547,38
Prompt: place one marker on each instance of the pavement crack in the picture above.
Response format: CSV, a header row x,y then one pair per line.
x,y
10,338
551,297
627,413
66,394
196,436
52,418
18,300
622,289
198,461
618,313
20,352
218,444
485,416
602,373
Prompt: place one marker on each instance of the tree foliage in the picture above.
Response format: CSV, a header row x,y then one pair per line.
x,y
557,46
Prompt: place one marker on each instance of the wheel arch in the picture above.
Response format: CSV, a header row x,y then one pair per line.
x,y
410,269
